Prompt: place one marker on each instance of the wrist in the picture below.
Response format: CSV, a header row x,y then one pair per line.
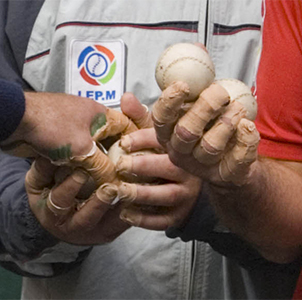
x,y
30,117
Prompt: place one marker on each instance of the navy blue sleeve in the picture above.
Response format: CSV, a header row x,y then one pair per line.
x,y
22,236
202,225
16,21
12,108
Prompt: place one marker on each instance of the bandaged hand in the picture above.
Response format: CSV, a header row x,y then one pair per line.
x,y
202,123
77,201
133,117
213,139
62,212
66,130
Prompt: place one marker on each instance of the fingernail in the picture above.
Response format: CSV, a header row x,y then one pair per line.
x,y
127,192
125,143
107,193
130,218
146,107
124,165
80,176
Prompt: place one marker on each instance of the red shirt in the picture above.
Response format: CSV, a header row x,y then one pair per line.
x,y
279,85
279,81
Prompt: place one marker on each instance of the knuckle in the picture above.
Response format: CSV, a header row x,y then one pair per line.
x,y
82,148
174,197
171,168
177,220
184,132
174,157
170,220
82,225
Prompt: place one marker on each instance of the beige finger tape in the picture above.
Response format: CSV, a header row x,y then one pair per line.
x,y
215,140
116,123
127,192
165,111
107,193
235,165
32,179
191,126
100,167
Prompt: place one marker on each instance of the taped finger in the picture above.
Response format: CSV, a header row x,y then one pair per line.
x,y
127,192
149,168
144,219
114,123
40,175
95,208
62,196
167,195
191,126
235,165
107,193
56,209
165,112
215,140
132,216
99,166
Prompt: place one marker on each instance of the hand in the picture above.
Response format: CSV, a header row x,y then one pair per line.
x,y
213,140
159,205
58,210
63,127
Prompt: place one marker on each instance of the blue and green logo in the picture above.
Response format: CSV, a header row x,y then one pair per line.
x,y
97,64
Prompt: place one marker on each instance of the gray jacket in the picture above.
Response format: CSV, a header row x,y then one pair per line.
x,y
139,264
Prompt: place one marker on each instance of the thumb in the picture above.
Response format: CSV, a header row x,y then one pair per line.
x,y
137,112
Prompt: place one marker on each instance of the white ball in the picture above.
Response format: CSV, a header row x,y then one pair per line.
x,y
240,92
116,151
188,63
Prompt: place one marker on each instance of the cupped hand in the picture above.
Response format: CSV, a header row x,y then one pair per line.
x,y
163,203
56,207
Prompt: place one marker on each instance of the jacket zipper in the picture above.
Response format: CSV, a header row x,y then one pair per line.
x,y
206,23
194,248
192,269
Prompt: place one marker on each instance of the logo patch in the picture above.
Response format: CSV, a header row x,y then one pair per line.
x,y
97,64
97,70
